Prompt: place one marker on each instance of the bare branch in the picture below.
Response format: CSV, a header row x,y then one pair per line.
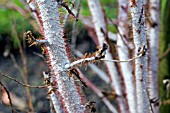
x,y
24,69
98,71
167,51
26,85
91,58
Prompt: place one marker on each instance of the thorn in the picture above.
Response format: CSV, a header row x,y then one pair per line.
x,y
142,50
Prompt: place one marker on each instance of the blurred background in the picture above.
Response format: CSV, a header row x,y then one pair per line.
x,y
25,63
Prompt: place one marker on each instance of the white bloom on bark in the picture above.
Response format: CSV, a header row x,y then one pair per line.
x,y
124,54
154,49
53,33
99,23
141,65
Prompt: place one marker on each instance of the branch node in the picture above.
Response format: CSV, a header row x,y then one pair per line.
x,y
142,50
94,57
65,5
32,41
91,105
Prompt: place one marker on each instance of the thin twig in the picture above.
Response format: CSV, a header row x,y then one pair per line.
x,y
52,93
24,69
150,102
165,54
165,102
26,85
67,15
40,55
129,60
10,101
74,27
15,63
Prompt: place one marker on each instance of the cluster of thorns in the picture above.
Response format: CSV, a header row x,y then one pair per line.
x,y
87,58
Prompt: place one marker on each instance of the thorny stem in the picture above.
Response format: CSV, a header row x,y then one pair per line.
x,y
94,57
53,96
98,71
67,66
141,65
68,92
123,53
100,23
34,10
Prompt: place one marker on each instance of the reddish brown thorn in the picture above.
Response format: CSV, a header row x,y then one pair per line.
x,y
133,3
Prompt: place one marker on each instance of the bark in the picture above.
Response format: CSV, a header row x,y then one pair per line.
x,y
123,53
153,57
99,22
98,71
35,12
53,96
57,57
141,70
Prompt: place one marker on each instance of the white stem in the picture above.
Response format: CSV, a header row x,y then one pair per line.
x,y
154,49
54,97
33,8
124,54
56,52
41,41
112,36
67,66
141,65
99,22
